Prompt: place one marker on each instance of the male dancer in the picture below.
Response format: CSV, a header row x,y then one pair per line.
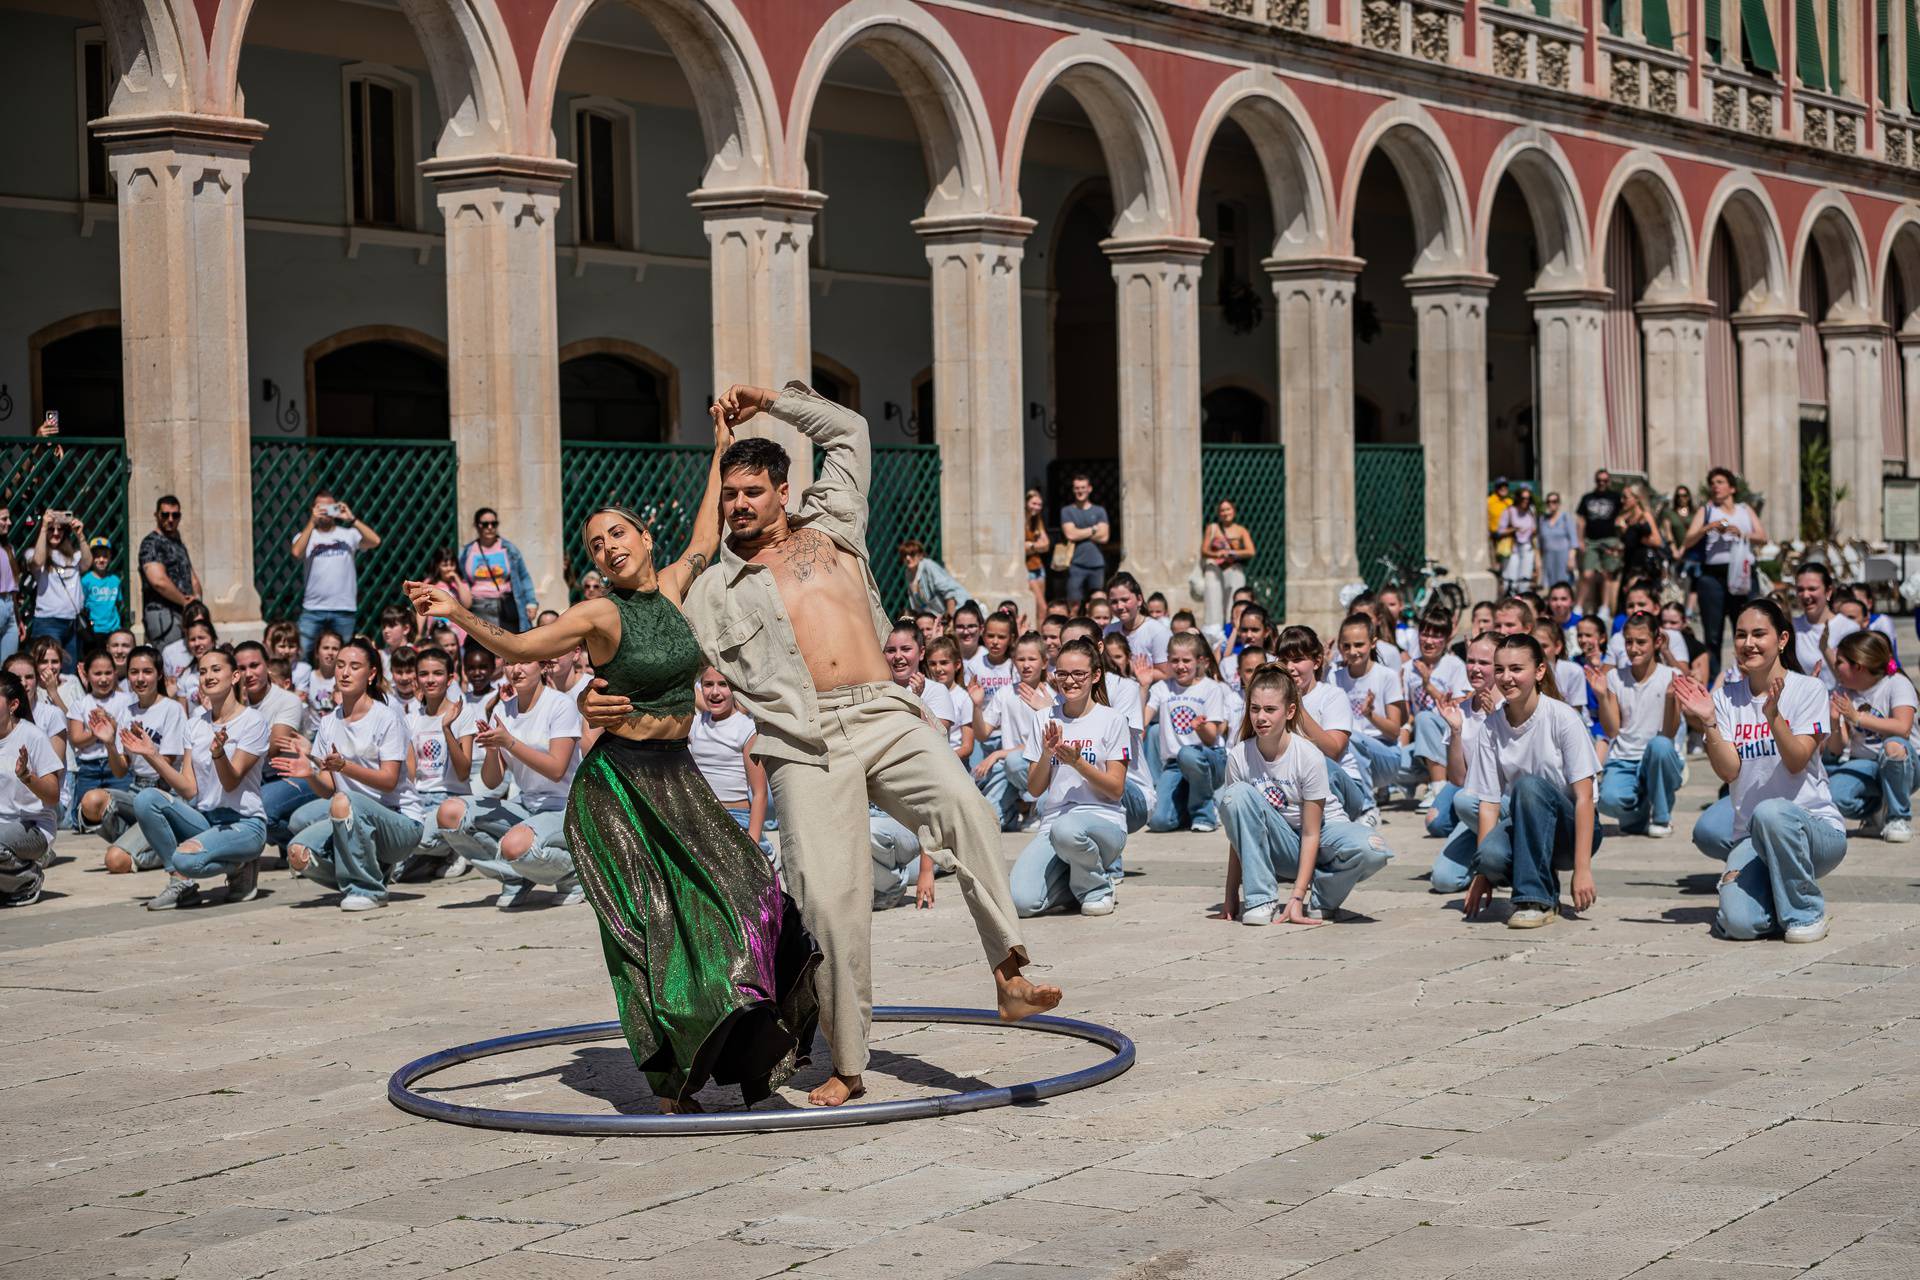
x,y
791,616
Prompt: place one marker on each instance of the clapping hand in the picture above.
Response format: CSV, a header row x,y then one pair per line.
x,y
1142,669
1844,709
1365,709
1770,705
1036,696
1054,738
492,733
296,760
1449,708
1696,704
20,769
1596,678
136,742
100,725
333,761
219,744
1485,699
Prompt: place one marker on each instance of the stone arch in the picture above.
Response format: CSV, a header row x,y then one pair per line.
x,y
723,67
1753,228
640,357
1551,192
1644,184
1291,158
51,335
1407,135
1830,226
1126,118
160,51
415,340
933,76
1900,261
469,56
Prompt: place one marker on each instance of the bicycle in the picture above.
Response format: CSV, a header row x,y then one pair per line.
x,y
1431,587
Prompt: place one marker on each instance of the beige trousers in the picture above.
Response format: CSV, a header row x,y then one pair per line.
x,y
880,750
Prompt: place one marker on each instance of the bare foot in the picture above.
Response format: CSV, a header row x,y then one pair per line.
x,y
1020,998
681,1107
836,1090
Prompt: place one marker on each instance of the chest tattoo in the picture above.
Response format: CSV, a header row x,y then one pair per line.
x,y
807,552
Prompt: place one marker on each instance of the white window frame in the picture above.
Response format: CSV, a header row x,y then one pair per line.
x,y
407,183
83,39
626,175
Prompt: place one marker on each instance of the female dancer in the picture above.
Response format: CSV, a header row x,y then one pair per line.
x,y
711,969
1637,709
1873,729
1284,818
1536,756
1763,735
212,822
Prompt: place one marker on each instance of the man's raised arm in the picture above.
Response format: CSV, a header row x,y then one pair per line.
x,y
846,456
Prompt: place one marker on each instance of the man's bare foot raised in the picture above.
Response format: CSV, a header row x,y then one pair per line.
x,y
836,1090
1020,998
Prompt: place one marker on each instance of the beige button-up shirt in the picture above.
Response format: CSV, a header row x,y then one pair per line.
x,y
735,606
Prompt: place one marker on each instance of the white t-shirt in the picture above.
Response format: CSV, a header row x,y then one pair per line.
x,y
1643,709
247,732
165,722
962,712
1123,695
320,704
1811,652
1179,712
378,736
718,748
281,707
433,750
56,587
1328,706
333,582
1386,687
17,802
83,708
1017,723
1553,743
1299,775
175,658
1617,648
1449,676
1148,639
1719,546
1100,736
992,678
51,719
938,701
1891,692
552,715
1742,722
1571,678
1387,654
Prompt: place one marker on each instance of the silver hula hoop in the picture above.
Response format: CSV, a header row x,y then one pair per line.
x,y
400,1085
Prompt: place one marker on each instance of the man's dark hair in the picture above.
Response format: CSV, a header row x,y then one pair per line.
x,y
756,453
1078,476
165,499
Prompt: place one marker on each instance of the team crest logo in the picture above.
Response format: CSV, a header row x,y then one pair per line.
x,y
1184,718
1276,794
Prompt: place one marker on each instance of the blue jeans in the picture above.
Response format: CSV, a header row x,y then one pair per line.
x,y
1453,865
9,629
65,630
1388,764
1533,842
352,854
1442,819
1084,580
1638,792
1073,861
1006,782
1713,833
745,818
1269,850
1771,879
283,798
92,775
489,818
1355,798
227,839
1134,801
1430,734
1882,787
1186,787
896,859
314,621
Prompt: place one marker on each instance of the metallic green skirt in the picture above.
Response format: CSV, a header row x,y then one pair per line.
x,y
711,967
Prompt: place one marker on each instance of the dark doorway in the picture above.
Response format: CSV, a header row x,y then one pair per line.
x,y
1086,335
1235,415
80,376
381,389
611,400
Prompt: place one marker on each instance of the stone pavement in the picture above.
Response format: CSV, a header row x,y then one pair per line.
x,y
201,1094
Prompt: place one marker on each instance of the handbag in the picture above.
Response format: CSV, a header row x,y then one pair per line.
x,y
1062,556
1197,582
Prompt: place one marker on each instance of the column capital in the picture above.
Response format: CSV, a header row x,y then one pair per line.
x,y
455,173
1768,322
1677,309
1841,330
1909,339
737,201
1177,250
1572,299
995,228
1464,282
175,129
1316,265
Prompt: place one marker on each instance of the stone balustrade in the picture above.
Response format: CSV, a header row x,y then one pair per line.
x,y
1829,122
1742,102
1636,74
1524,46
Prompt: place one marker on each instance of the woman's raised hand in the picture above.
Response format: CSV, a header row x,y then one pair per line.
x,y
429,599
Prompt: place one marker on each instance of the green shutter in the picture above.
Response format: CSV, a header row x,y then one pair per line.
x,y
1713,25
1834,77
1758,33
1808,63
1545,9
1913,58
1654,24
1883,51
1613,14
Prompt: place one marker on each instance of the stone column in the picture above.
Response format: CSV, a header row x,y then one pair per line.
x,y
1770,416
1853,424
1571,417
503,368
762,317
1910,391
183,326
1157,281
1450,319
1313,304
977,403
1674,337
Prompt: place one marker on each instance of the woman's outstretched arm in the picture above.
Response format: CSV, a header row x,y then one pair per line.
x,y
587,620
704,545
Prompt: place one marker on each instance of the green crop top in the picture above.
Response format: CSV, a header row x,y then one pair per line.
x,y
658,659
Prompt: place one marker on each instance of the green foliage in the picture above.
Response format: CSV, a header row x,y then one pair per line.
x,y
1820,496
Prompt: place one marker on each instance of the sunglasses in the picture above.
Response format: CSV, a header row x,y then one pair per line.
x,y
488,524
167,515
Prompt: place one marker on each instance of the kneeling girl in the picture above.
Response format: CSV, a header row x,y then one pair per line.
x,y
1077,778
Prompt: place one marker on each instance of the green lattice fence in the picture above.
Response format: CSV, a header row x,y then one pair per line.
x,y
1390,486
663,482
85,476
402,489
903,502
1254,478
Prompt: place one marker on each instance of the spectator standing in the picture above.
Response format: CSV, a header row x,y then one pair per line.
x,y
9,589
1643,551
929,586
1225,548
327,545
494,569
1727,531
1521,524
168,583
58,602
1038,544
101,588
1559,540
1086,526
1497,503
1599,511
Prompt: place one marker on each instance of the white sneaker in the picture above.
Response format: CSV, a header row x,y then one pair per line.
x,y
1532,917
572,897
1426,803
361,902
1897,831
1097,907
1371,818
1809,932
1659,830
453,868
1203,828
1257,915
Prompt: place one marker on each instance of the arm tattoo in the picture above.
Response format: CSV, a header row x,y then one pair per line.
x,y
806,551
696,565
